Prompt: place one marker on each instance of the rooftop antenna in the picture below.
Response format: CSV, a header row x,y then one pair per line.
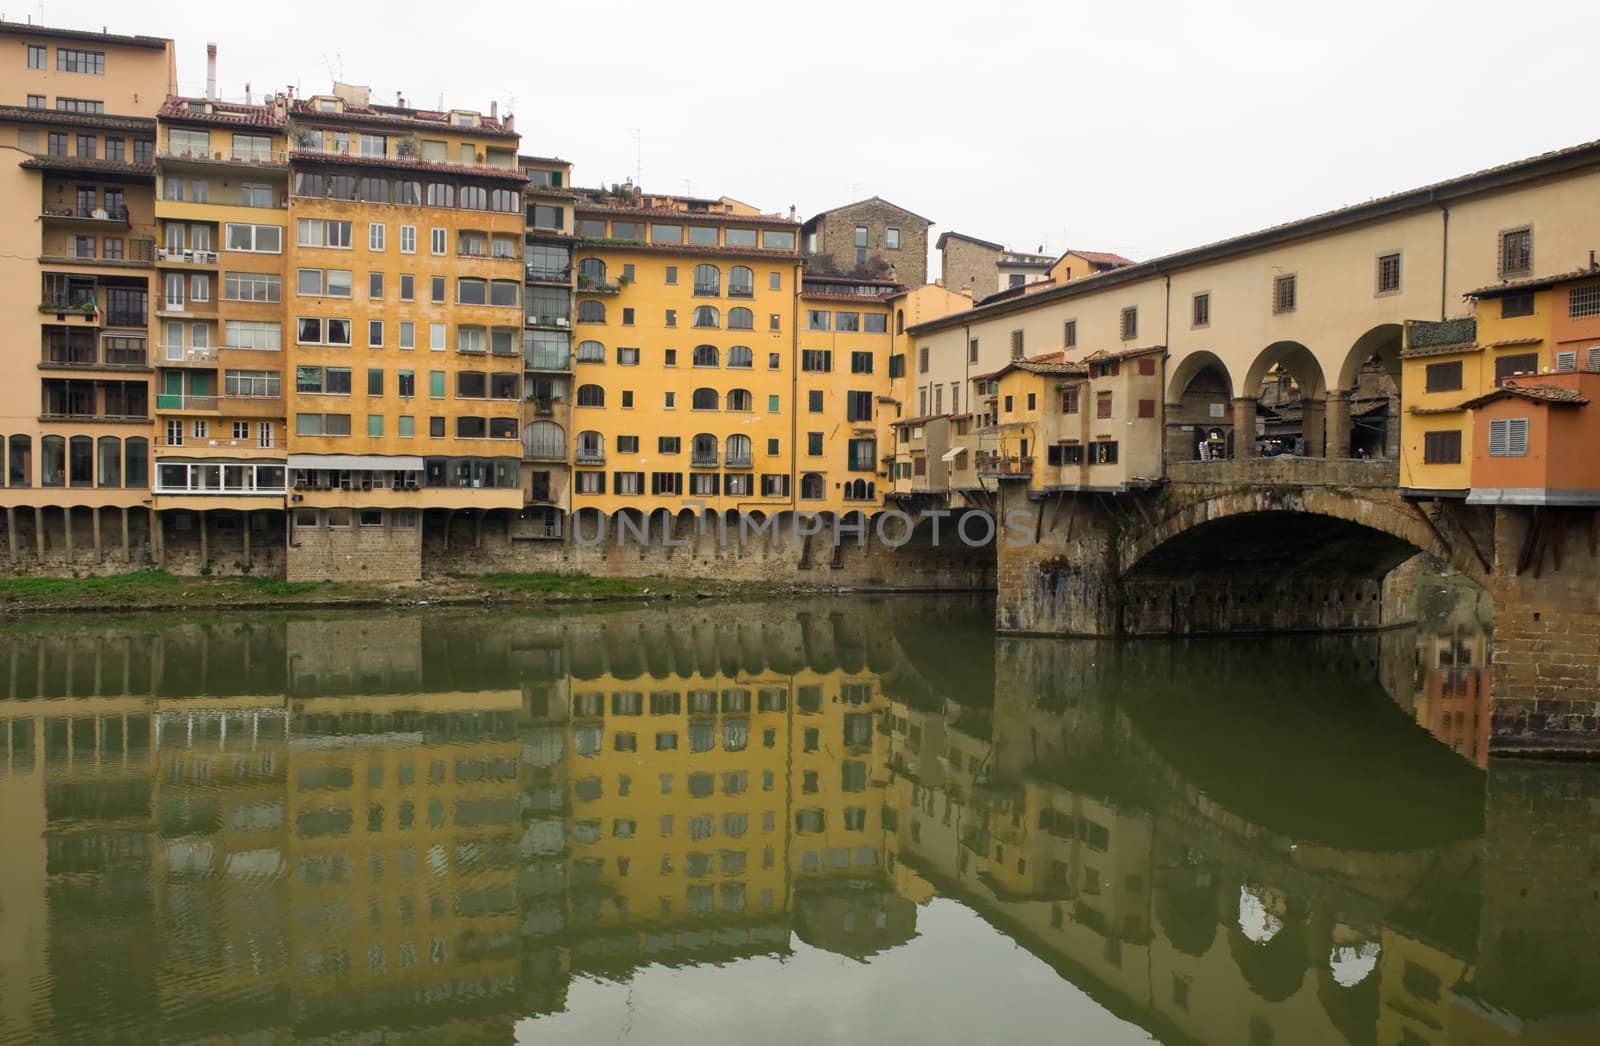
x,y
638,156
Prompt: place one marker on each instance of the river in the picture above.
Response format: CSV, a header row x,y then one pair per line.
x,y
848,821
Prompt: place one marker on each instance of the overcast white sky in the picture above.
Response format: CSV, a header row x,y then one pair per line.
x,y
1118,125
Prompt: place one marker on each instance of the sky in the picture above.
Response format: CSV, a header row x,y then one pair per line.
x,y
1135,127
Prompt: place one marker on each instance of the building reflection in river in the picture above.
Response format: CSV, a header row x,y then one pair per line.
x,y
429,826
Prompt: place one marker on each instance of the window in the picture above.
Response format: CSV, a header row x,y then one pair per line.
x,y
1441,448
258,239
1511,366
436,285
1443,377
71,60
1584,301
318,232
818,319
316,330
705,356
591,396
1513,305
439,241
858,406
1388,276
847,321
740,319
1508,438
408,239
814,401
818,361
256,383
251,286
891,239
1130,323
471,291
253,334
741,358
1102,405
707,316
1199,311
627,356
79,105
377,235
861,363
591,312
37,53
322,424
1516,252
704,399
36,101
408,334
1016,345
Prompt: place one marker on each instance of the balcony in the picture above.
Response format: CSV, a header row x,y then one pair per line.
x,y
588,286
540,274
703,461
1005,466
186,256
590,456
738,461
138,252
104,354
243,157
181,356
97,216
490,253
180,402
559,320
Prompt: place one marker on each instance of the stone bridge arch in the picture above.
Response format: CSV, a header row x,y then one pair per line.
x,y
1273,554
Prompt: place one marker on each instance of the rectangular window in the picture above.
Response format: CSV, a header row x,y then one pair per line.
x,y
773,403
1508,438
818,319
258,239
251,286
1200,310
408,239
1130,323
1583,301
440,241
1516,252
36,56
1389,273
1102,405
408,334
1016,345
1511,366
816,360
374,334
377,235
1513,305
72,60
861,363
1284,293
1443,377
1441,448
858,406
80,105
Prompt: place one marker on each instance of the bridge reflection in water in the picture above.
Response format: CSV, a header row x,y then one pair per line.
x,y
464,826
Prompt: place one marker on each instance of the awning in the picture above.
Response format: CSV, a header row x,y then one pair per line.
x,y
950,455
396,462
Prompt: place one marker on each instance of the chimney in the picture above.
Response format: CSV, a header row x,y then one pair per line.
x,y
400,99
494,110
248,99
211,72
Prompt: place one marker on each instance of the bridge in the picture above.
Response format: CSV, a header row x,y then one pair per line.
x,y
1306,544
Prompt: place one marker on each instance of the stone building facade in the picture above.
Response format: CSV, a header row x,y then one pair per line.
x,y
872,236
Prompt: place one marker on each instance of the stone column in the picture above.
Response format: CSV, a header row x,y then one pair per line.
x,y
99,555
158,539
11,531
127,546
1313,431
66,527
1244,426
205,550
1180,444
38,535
1338,423
245,526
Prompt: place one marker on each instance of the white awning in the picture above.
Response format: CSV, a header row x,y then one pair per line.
x,y
395,463
950,455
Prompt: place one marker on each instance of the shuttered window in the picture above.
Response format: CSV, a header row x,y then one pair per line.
x,y
1442,448
1444,377
1508,438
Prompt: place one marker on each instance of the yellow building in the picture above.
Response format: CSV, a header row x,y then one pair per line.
x,y
547,347
684,368
222,214
845,345
1511,333
77,117
407,245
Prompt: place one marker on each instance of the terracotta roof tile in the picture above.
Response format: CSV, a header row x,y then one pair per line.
x,y
681,248
24,114
74,163
156,43
400,119
1532,283
1555,395
1100,257
232,114
668,215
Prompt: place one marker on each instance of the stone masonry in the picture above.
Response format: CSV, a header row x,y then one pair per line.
x,y
835,238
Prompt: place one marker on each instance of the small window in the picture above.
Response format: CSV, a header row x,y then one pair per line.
x,y
1516,252
1200,310
1511,366
1389,273
1508,438
1441,448
1443,377
1584,301
1016,345
1513,305
1284,293
891,239
1130,323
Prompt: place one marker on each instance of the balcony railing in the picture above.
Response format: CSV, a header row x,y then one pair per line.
x,y
539,272
180,401
176,355
703,461
550,319
590,456
186,256
738,461
74,355
118,215
1005,465
258,157
588,286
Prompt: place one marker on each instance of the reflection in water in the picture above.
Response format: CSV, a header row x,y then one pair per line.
x,y
458,827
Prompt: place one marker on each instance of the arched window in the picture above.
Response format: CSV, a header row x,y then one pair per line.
x,y
80,460
899,321
408,192
741,319
19,464
136,462
741,282
859,490
591,447
53,461
706,356
811,487
591,312
591,396
591,352
474,197
738,451
110,461
545,440
704,399
441,194
707,280
740,400
591,272
741,357
707,316
703,449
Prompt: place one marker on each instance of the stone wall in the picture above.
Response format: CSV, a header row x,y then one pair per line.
x,y
836,239
1545,670
355,553
971,267
52,542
